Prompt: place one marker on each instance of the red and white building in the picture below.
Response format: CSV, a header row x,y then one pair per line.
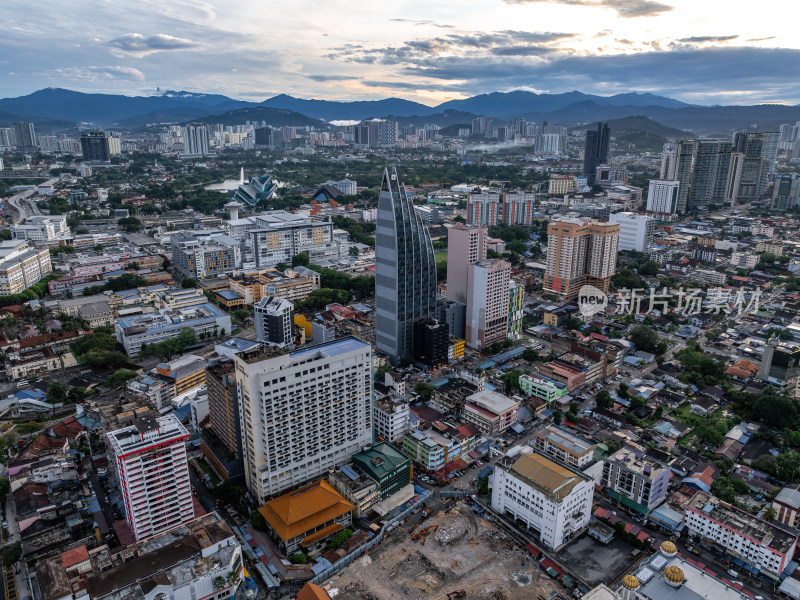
x,y
153,472
490,412
740,534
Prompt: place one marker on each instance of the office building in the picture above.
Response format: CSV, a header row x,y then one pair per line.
x,y
487,302
390,417
431,340
405,270
201,254
779,362
42,228
558,185
613,174
787,505
770,155
636,232
740,535
153,474
539,386
492,413
25,137
564,446
95,146
518,208
376,133
22,266
206,320
786,191
273,318
195,140
580,252
303,412
662,197
635,479
467,245
224,453
483,209
346,186
595,151
734,178
549,499
516,304
279,235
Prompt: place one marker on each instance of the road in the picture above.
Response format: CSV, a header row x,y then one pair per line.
x,y
22,206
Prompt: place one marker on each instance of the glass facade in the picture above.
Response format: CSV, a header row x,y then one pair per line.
x,y
405,270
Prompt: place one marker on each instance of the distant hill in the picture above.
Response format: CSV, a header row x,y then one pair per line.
x,y
329,110
274,117
642,133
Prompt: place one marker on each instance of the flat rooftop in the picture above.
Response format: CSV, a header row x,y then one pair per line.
x,y
545,475
565,440
493,401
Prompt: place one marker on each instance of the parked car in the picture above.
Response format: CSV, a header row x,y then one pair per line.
x,y
733,573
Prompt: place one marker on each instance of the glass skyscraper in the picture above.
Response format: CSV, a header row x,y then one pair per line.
x,y
405,270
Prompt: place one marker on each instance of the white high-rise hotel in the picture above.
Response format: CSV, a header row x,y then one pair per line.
x,y
153,473
302,412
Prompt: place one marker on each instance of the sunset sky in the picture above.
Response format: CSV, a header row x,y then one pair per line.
x,y
698,51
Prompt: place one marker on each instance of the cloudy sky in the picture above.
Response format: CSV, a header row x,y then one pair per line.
x,y
699,51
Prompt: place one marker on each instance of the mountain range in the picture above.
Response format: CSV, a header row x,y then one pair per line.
x,y
55,109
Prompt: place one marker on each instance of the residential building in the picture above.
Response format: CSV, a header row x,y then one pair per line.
x,y
635,479
153,474
559,185
431,340
25,137
42,228
22,266
787,505
249,288
710,170
492,413
95,146
285,446
195,140
183,374
390,417
467,244
303,520
709,277
662,196
740,535
580,252
516,305
405,270
97,314
564,446
548,498
487,302
223,413
636,232
775,248
786,191
187,562
280,235
744,260
436,451
27,363
779,362
206,319
483,209
751,146
205,254
595,151
273,317
539,386
518,208
345,186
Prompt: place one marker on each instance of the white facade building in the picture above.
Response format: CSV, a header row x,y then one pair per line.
x,y
550,499
390,418
346,186
153,473
42,228
635,231
302,412
483,209
273,318
662,196
195,140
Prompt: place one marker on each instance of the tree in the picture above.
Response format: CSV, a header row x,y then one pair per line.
x,y
258,521
300,260
511,379
530,355
622,390
5,487
557,417
119,378
130,224
424,390
56,392
644,338
76,395
189,282
11,554
604,399
298,559
770,513
353,251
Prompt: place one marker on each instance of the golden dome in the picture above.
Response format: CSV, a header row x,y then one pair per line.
x,y
630,582
668,547
674,574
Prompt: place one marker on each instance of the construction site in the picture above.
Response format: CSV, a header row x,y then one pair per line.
x,y
451,553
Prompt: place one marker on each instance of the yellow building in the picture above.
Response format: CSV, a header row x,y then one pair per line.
x,y
22,266
301,321
456,350
186,373
251,289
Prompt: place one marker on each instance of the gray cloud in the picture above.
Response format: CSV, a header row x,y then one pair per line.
x,y
625,8
699,39
331,77
93,73
421,22
138,45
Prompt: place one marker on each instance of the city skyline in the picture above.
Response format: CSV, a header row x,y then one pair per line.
x,y
425,53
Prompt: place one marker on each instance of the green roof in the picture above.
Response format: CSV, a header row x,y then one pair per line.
x,y
379,460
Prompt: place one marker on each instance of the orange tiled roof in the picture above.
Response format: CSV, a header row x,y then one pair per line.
x,y
295,513
311,591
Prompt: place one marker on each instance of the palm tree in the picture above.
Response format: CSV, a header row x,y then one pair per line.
x,y
770,513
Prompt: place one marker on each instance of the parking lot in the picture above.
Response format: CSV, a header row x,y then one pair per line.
x,y
595,562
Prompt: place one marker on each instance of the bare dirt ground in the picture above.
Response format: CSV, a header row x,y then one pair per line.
x,y
463,553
